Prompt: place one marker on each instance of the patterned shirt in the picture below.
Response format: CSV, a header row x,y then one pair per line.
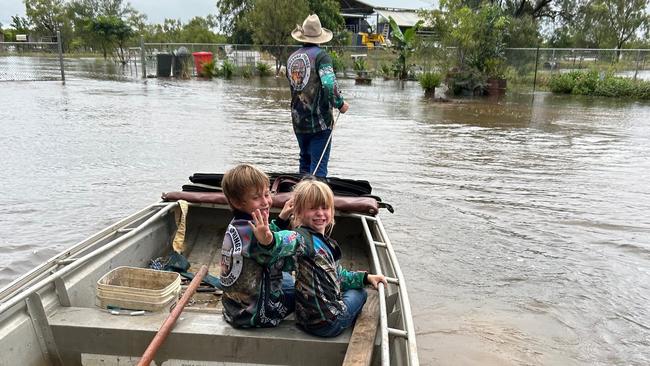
x,y
252,283
314,90
320,279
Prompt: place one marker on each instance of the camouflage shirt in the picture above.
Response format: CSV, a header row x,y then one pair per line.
x,y
320,279
252,282
314,90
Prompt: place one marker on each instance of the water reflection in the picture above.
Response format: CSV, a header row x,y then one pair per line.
x,y
520,224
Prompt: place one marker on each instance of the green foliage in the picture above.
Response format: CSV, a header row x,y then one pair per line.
x,y
404,44
246,71
466,82
263,69
22,25
430,80
337,61
227,69
387,71
208,69
272,21
360,64
591,83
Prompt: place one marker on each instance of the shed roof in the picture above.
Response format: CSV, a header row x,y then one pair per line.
x,y
401,5
402,18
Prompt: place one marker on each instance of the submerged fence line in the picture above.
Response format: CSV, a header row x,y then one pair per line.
x,y
525,68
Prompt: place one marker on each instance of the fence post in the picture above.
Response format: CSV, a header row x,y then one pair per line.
x,y
536,63
143,59
636,69
58,40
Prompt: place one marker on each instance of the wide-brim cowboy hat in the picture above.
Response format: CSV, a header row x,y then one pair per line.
x,y
311,31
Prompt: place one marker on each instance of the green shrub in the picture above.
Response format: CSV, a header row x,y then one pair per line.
x,y
263,69
591,83
246,71
430,80
360,64
585,83
642,90
208,69
386,71
615,87
337,62
227,69
563,83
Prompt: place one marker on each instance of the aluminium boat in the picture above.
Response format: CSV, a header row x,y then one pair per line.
x,y
49,316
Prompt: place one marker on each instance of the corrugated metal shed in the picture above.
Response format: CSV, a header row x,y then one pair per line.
x,y
403,5
402,18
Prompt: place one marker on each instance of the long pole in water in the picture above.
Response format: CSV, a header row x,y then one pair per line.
x,y
329,139
167,326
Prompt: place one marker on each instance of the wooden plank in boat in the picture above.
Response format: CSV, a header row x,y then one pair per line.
x,y
363,336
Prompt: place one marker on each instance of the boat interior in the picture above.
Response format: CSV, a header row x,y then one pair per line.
x,y
59,323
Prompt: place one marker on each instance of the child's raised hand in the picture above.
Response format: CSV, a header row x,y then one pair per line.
x,y
261,228
287,209
375,279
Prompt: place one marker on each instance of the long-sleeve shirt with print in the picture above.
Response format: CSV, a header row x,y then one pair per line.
x,y
314,89
320,279
252,283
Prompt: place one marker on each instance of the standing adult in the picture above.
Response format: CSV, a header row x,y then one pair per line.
x,y
314,94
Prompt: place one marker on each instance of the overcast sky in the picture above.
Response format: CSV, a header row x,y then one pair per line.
x,y
156,10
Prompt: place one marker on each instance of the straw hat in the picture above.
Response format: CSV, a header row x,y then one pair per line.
x,y
311,31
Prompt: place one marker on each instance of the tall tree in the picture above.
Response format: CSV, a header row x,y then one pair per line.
x,y
47,17
234,20
614,22
20,24
273,21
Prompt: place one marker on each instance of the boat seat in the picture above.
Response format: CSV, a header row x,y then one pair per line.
x,y
196,336
364,205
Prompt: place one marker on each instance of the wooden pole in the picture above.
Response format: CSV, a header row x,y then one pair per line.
x,y
167,326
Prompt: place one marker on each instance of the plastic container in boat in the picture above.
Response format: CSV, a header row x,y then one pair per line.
x,y
138,289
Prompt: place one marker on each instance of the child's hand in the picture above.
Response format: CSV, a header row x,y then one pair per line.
x,y
261,228
287,209
375,279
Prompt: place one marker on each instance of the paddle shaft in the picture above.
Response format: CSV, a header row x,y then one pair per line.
x,y
167,326
329,139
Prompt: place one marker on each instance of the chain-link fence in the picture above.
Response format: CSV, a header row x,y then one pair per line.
x,y
31,61
530,68
525,69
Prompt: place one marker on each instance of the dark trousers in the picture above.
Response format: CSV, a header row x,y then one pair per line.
x,y
311,147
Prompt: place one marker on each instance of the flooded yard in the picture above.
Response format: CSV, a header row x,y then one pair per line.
x,y
521,224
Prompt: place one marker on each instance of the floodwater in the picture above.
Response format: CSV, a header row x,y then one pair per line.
x,y
521,224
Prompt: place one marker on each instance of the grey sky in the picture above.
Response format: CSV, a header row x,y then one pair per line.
x,y
156,10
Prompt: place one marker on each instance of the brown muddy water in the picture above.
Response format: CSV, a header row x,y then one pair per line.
x,y
521,225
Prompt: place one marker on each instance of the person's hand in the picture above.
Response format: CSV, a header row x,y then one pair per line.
x,y
375,279
287,210
261,228
344,108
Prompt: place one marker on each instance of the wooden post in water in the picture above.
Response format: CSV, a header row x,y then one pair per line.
x,y
58,40
167,326
143,59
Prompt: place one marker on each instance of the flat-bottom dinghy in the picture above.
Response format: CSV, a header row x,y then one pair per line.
x,y
59,314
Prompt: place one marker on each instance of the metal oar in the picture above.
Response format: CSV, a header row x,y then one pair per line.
x,y
167,326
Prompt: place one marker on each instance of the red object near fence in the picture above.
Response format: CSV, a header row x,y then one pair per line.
x,y
201,58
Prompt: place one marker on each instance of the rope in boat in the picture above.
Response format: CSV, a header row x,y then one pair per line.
x,y
329,139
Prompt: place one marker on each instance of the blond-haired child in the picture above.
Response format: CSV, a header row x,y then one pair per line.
x,y
328,297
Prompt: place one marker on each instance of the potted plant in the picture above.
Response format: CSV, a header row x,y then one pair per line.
x,y
496,81
429,81
361,68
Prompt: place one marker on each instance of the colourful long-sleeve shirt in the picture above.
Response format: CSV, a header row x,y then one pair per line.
x,y
314,89
320,279
252,282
